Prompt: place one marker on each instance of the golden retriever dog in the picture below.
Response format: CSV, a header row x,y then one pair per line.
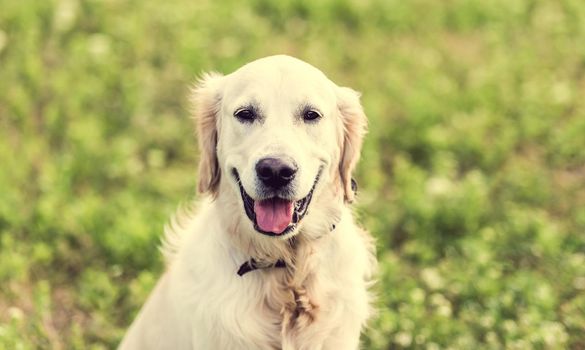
x,y
271,258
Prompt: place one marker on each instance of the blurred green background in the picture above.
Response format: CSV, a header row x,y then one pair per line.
x,y
472,177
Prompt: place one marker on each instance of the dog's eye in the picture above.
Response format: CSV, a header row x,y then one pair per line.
x,y
311,115
245,115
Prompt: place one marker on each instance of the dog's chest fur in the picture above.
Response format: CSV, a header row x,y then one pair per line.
x,y
272,308
291,309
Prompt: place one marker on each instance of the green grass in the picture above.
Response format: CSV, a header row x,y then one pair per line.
x,y
472,177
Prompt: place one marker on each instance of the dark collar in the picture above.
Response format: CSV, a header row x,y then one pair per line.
x,y
252,265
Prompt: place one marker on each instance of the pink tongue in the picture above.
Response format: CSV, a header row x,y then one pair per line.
x,y
273,215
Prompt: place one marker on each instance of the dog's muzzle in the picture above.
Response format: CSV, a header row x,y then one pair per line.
x,y
275,216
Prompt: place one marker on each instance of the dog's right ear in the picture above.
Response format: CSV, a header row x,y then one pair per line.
x,y
206,103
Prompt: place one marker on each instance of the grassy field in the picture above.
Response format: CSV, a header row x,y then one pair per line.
x,y
472,176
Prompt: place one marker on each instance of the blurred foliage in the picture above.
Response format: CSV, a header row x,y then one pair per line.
x,y
472,177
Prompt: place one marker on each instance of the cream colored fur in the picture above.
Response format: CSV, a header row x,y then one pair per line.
x,y
320,300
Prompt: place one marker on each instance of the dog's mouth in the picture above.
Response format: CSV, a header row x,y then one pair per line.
x,y
275,216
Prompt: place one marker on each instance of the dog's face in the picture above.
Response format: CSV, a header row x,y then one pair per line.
x,y
276,133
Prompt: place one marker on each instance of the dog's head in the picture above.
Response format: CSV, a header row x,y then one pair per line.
x,y
276,134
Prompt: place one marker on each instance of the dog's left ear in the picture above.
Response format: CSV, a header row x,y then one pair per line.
x,y
355,125
206,102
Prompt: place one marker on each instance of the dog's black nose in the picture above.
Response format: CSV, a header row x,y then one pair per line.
x,y
275,172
